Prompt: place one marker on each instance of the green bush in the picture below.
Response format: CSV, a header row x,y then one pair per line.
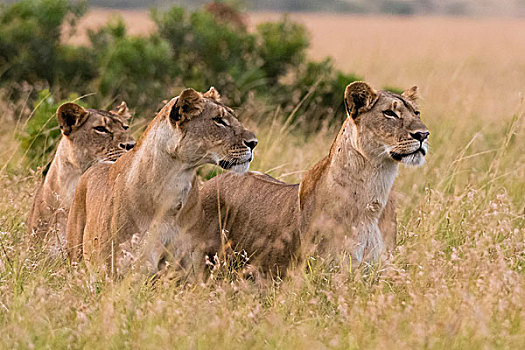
x,y
30,48
208,51
282,45
136,69
78,67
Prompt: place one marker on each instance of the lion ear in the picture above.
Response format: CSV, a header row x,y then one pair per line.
x,y
359,98
411,94
213,94
188,105
122,110
70,117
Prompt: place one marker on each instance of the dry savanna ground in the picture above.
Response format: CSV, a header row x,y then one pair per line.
x,y
456,279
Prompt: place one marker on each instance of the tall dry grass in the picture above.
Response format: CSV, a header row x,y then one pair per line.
x,y
456,279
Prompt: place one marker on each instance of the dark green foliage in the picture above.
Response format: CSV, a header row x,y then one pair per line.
x,y
41,133
136,69
282,45
77,67
30,48
208,51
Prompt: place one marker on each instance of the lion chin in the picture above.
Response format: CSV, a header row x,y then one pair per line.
x,y
241,168
414,159
236,167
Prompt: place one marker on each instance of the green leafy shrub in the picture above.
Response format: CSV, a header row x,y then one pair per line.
x,y
209,51
78,68
30,40
137,69
282,45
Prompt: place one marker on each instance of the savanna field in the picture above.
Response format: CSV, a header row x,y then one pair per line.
x,y
456,279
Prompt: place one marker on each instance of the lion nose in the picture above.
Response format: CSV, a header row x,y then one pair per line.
x,y
420,135
127,145
251,143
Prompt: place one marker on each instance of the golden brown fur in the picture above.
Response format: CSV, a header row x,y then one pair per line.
x,y
88,136
124,214
340,204
263,220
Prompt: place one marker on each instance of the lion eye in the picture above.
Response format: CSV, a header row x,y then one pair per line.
x,y
220,121
101,129
417,113
390,114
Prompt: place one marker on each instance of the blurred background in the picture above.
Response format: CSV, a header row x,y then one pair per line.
x,y
401,7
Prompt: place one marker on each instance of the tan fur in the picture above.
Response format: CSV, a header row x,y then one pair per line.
x,y
80,147
124,214
340,204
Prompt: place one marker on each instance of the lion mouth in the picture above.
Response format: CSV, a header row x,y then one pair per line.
x,y
400,156
228,164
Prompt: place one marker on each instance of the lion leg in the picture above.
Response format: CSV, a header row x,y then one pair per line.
x,y
76,224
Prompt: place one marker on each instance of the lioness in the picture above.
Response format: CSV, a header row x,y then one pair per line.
x,y
88,136
340,201
124,215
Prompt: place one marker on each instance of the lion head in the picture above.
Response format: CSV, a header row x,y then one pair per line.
x,y
95,134
210,131
389,125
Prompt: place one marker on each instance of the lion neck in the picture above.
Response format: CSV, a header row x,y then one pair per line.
x,y
155,175
370,176
65,171
355,187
